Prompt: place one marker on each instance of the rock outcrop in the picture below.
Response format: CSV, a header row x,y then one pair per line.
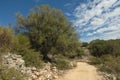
x,y
16,61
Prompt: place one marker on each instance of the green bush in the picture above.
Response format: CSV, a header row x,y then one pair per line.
x,y
95,61
33,59
111,64
11,74
118,78
101,47
61,62
6,39
22,47
85,44
108,63
107,55
21,43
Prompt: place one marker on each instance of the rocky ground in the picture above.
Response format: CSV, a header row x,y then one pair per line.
x,y
82,71
85,71
16,61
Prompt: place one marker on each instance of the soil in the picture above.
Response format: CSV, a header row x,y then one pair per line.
x,y
83,71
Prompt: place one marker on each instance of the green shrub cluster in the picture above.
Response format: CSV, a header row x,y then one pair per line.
x,y
61,62
11,74
85,44
22,46
19,44
6,39
44,33
102,47
106,55
108,63
33,58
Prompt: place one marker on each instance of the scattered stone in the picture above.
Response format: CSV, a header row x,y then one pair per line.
x,y
16,61
55,77
106,76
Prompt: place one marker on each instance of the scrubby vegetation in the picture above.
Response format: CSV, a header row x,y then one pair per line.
x,y
6,39
45,35
49,33
61,62
22,46
11,74
85,44
101,47
106,55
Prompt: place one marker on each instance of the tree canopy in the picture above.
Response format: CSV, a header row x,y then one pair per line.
x,y
49,31
102,47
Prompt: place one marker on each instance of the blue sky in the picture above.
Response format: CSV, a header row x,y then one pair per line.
x,y
94,19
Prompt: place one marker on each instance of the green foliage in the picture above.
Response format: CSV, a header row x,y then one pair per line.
x,y
22,46
11,74
49,32
95,60
106,55
21,43
101,47
61,62
108,63
118,78
6,39
114,47
33,59
43,34
111,64
85,44
98,48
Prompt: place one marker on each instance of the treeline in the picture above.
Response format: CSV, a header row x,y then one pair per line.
x,y
45,35
102,47
106,55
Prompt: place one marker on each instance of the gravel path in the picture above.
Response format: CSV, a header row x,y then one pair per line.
x,y
83,71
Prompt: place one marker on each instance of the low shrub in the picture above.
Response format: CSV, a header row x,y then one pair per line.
x,y
61,62
108,63
6,39
21,43
22,47
11,74
118,78
95,61
33,59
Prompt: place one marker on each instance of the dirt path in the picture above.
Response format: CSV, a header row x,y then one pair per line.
x,y
83,71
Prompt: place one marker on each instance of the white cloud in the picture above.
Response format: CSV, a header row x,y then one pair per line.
x,y
97,21
68,14
90,34
67,4
112,28
97,18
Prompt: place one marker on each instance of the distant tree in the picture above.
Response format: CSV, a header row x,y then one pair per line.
x,y
49,32
98,48
114,47
101,47
85,44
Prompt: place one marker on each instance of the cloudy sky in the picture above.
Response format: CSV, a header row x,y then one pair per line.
x,y
94,19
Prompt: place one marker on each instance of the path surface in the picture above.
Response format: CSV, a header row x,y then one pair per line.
x,y
83,71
